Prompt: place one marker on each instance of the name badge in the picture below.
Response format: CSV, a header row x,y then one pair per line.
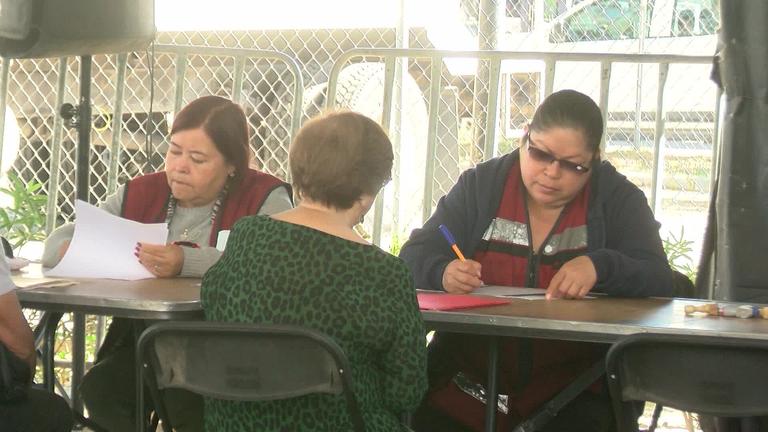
x,y
221,240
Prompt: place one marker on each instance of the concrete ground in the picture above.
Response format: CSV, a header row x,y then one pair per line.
x,y
671,420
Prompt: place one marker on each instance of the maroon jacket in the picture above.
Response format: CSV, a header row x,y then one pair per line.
x,y
146,199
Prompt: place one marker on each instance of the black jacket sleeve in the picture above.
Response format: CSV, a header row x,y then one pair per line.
x,y
633,262
466,210
426,252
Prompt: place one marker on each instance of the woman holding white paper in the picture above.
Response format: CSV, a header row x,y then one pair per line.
x,y
205,188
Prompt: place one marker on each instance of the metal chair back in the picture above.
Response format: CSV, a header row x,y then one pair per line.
x,y
691,373
241,362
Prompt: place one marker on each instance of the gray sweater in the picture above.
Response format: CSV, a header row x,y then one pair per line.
x,y
194,221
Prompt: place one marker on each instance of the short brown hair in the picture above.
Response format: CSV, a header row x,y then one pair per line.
x,y
338,157
225,124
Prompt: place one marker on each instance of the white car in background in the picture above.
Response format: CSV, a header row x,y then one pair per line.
x,y
682,27
686,27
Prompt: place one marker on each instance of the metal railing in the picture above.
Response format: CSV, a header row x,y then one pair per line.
x,y
453,132
172,75
428,68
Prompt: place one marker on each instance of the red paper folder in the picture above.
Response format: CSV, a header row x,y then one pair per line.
x,y
440,301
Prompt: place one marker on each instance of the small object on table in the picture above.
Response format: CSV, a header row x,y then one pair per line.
x,y
747,311
763,311
740,311
709,309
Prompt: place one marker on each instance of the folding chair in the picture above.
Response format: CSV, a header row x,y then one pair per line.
x,y
240,362
682,287
704,374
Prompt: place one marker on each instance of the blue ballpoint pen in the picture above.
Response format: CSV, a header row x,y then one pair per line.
x,y
451,241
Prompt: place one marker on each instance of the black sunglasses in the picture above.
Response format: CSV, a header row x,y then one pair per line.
x,y
542,156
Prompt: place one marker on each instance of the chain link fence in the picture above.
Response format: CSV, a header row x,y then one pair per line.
x,y
130,130
438,134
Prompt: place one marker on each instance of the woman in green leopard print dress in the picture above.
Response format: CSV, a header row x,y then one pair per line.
x,y
308,266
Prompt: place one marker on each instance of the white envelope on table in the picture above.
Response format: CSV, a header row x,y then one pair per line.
x,y
508,291
103,246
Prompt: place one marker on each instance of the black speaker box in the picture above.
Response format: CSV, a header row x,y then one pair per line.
x,y
59,28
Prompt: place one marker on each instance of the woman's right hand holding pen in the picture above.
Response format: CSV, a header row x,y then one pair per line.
x,y
462,277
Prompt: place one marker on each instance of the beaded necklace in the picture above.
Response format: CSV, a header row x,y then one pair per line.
x,y
214,210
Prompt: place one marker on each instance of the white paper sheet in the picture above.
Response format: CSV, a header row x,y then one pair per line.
x,y
517,292
507,291
24,284
103,246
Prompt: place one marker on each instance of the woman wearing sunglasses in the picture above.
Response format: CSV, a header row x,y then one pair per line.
x,y
552,215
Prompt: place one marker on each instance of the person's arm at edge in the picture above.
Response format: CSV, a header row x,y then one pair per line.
x,y
634,263
197,261
405,364
15,333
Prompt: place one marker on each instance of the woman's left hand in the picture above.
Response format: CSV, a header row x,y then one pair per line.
x,y
574,280
161,260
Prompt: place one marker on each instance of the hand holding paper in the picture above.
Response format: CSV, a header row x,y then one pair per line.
x,y
103,246
161,260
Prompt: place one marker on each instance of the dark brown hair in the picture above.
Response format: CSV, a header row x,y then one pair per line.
x,y
225,124
338,157
571,109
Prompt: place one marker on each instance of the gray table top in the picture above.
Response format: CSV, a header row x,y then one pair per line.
x,y
177,298
602,319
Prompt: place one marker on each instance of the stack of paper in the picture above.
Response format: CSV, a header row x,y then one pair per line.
x,y
103,246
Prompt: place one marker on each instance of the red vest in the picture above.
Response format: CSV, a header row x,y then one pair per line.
x,y
506,253
146,199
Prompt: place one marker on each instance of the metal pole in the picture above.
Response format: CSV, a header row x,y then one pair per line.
x,y
181,69
549,77
83,174
605,84
237,86
492,395
640,69
396,126
493,109
429,169
487,40
386,114
716,141
658,148
84,128
3,96
117,123
51,208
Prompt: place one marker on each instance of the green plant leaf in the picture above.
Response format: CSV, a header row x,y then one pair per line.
x,y
24,221
678,248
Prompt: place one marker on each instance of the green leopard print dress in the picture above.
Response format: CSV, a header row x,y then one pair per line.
x,y
275,272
